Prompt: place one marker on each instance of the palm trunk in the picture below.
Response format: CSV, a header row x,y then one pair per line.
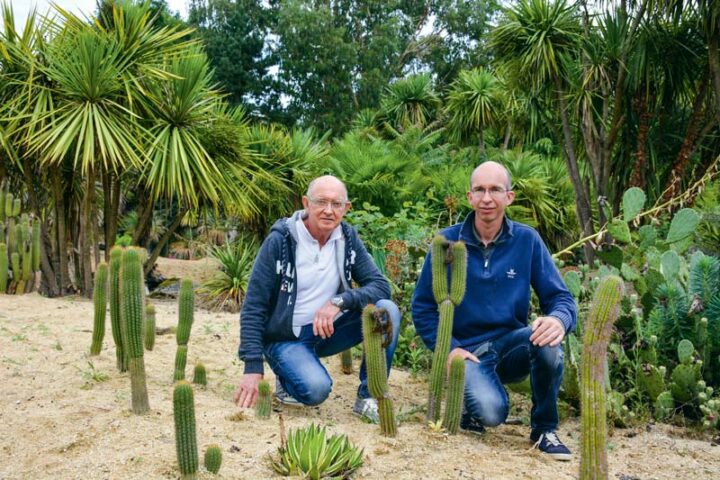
x,y
59,235
86,229
637,178
715,70
163,241
145,216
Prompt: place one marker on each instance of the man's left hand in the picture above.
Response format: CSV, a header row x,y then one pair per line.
x,y
323,321
547,331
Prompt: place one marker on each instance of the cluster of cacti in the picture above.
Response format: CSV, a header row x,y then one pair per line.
x,y
374,326
132,307
185,435
149,327
19,247
200,374
445,253
213,458
346,362
598,328
100,306
186,304
263,406
116,320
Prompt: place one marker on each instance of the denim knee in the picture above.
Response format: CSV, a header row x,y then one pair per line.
x,y
492,410
395,316
313,391
547,357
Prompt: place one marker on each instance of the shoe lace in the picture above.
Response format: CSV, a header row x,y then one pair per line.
x,y
551,437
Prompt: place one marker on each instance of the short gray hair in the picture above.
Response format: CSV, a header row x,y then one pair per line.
x,y
323,178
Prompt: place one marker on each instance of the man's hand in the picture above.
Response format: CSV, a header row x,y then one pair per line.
x,y
247,390
547,331
462,353
323,321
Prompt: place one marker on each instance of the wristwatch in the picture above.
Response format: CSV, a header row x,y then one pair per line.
x,y
337,300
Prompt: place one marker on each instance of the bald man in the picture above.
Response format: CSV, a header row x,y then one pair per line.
x,y
300,304
490,328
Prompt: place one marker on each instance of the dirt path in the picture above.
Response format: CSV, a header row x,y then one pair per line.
x,y
65,415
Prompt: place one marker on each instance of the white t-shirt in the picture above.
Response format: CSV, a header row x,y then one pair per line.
x,y
318,278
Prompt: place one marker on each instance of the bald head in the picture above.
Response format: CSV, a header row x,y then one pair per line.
x,y
490,170
326,181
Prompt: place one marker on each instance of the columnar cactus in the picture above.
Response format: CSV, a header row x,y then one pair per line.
x,y
100,305
200,375
213,458
149,327
132,308
116,321
598,328
456,255
346,362
185,436
17,273
16,207
263,406
3,268
374,325
8,205
186,308
455,395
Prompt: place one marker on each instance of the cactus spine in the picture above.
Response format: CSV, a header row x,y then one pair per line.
x,y
263,407
100,304
132,308
376,365
3,268
442,254
185,436
149,327
200,375
346,362
598,328
186,306
116,320
456,391
213,458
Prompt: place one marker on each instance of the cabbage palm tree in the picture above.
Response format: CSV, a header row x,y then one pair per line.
x,y
411,101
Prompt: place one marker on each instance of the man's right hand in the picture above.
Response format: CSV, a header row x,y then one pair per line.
x,y
462,353
247,390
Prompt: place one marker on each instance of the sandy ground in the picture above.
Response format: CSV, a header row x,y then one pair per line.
x,y
65,415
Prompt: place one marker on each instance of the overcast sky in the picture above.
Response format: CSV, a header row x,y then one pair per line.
x,y
22,7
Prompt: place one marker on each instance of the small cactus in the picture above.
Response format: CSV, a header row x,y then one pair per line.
x,y
149,327
263,406
598,328
200,374
664,406
3,268
685,350
100,304
346,362
374,324
116,322
213,458
132,311
185,435
455,394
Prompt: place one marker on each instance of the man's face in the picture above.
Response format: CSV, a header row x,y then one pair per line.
x,y
326,206
488,193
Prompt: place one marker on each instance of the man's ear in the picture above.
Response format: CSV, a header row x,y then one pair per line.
x,y
305,202
511,197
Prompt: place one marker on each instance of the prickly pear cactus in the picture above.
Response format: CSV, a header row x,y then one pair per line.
x,y
185,436
375,323
100,304
455,395
213,458
263,406
664,406
598,328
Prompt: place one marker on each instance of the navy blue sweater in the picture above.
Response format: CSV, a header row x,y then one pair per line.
x,y
267,311
497,298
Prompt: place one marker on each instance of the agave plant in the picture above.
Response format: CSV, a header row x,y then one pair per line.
x,y
226,290
309,453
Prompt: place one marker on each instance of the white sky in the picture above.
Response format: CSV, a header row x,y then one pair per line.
x,y
22,7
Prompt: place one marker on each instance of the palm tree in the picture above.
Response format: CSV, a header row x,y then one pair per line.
x,y
411,101
475,101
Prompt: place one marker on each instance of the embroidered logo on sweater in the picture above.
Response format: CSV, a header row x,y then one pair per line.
x,y
511,273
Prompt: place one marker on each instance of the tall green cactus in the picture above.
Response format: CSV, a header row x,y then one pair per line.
x,y
598,328
185,435
100,304
200,374
213,458
455,395
3,268
8,205
439,270
263,406
132,310
36,246
149,327
373,332
440,354
116,321
11,239
458,272
186,303
17,273
26,264
16,207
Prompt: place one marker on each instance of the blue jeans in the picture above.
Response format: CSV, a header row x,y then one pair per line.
x,y
297,363
510,359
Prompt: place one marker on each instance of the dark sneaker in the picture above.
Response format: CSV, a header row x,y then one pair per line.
x,y
472,425
367,409
284,397
550,445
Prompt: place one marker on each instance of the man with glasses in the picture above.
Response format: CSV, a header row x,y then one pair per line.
x,y
490,328
300,304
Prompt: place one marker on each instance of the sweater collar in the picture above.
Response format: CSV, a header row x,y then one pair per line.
x,y
467,231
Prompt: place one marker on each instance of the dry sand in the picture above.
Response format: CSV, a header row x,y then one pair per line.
x,y
60,421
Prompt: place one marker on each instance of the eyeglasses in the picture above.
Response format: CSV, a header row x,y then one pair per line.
x,y
323,204
495,192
